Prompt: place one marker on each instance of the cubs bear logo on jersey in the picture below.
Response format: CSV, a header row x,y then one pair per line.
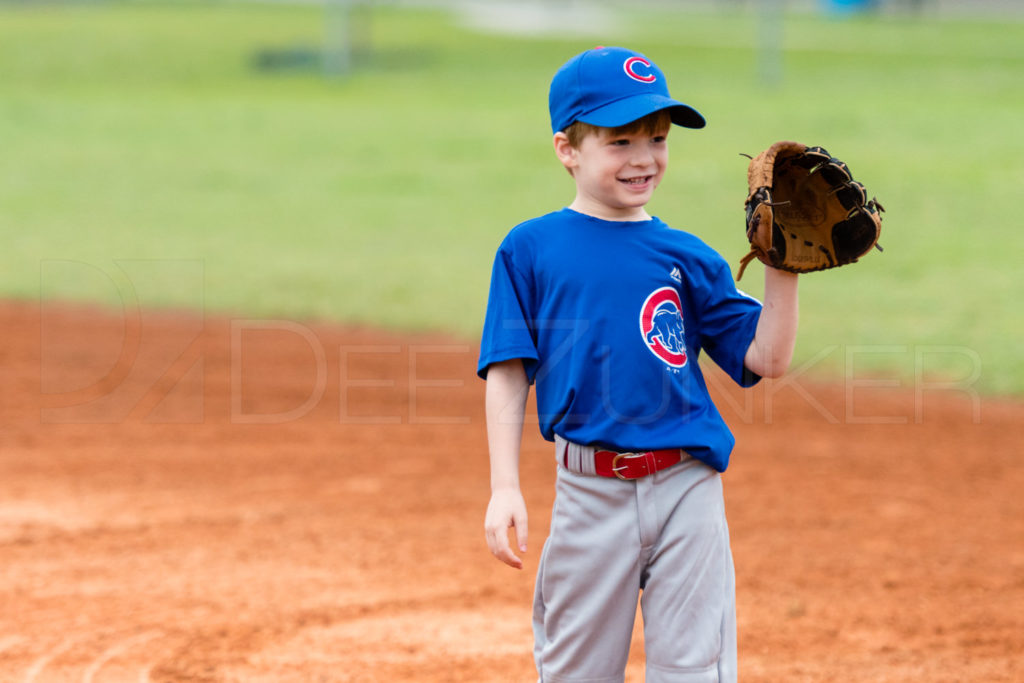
x,y
661,325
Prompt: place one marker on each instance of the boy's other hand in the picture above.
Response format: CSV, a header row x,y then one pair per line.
x,y
506,510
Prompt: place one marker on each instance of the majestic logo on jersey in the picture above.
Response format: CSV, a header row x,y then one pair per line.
x,y
637,67
661,324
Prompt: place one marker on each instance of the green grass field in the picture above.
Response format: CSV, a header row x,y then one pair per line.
x,y
141,134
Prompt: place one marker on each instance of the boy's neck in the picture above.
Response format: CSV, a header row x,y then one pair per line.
x,y
608,213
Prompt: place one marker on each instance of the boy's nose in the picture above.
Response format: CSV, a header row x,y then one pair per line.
x,y
642,156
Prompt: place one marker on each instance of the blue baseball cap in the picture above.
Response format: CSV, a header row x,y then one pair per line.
x,y
610,87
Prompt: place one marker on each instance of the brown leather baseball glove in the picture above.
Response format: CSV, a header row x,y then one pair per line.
x,y
805,212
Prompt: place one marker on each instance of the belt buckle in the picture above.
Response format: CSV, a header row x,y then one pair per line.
x,y
617,469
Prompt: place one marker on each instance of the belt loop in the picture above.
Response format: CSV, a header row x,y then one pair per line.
x,y
574,457
563,453
585,459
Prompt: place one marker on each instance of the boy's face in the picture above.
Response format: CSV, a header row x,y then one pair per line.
x,y
615,172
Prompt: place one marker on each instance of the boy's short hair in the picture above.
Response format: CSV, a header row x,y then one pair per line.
x,y
652,124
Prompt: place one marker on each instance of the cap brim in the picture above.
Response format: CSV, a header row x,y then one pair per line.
x,y
629,109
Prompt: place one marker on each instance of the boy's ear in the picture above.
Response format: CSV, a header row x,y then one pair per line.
x,y
566,152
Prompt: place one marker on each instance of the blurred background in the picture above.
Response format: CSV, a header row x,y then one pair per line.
x,y
361,161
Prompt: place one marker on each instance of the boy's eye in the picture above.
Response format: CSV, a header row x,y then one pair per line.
x,y
620,142
660,138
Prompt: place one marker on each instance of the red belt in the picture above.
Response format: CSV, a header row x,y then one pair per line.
x,y
634,465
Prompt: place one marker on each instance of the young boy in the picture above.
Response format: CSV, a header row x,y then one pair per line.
x,y
606,310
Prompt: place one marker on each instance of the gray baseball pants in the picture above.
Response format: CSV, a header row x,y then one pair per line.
x,y
663,538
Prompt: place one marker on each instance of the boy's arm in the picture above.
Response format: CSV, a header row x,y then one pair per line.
x,y
507,388
772,349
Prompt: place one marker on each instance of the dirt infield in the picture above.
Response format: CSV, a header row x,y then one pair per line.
x,y
213,499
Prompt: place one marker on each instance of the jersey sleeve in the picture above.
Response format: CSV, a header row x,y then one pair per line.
x,y
728,323
508,325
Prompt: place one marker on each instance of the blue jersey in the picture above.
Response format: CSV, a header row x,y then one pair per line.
x,y
609,319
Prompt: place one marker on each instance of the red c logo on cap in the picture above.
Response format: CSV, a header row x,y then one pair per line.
x,y
630,65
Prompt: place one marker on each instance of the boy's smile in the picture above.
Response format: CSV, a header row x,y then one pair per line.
x,y
616,173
